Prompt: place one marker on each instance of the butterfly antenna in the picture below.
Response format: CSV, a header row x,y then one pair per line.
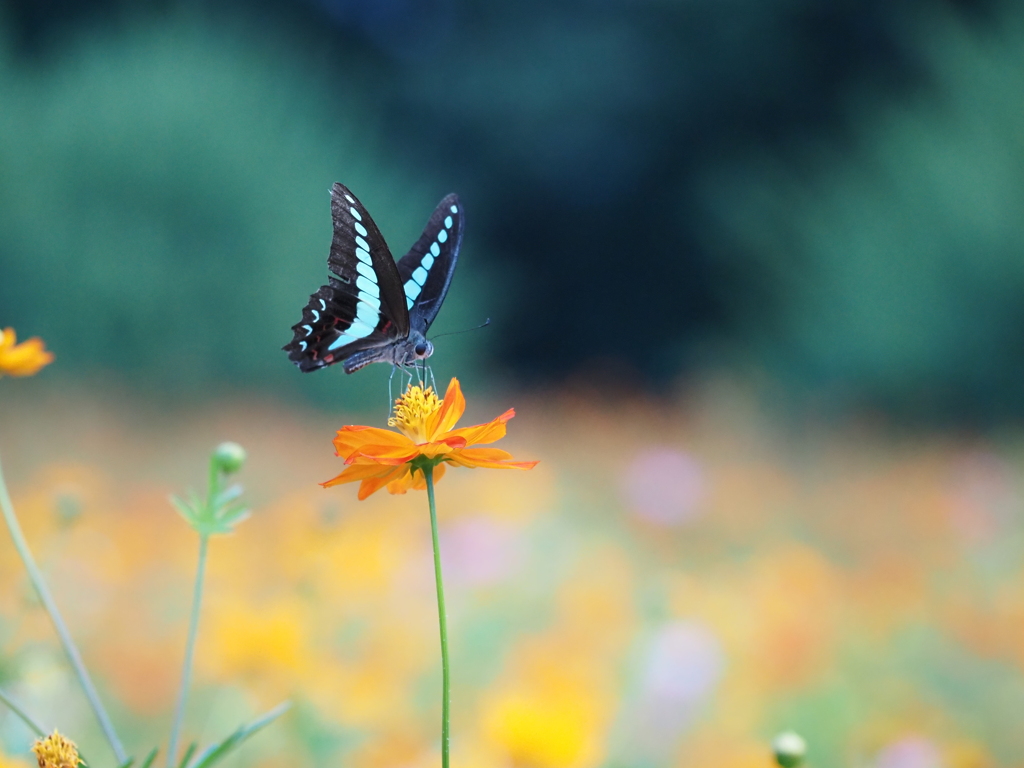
x,y
484,324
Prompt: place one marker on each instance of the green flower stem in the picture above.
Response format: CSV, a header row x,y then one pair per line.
x,y
23,716
442,616
190,646
36,577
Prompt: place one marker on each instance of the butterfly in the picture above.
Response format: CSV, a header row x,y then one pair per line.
x,y
374,310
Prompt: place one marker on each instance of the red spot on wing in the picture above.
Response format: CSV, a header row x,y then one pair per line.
x,y
328,359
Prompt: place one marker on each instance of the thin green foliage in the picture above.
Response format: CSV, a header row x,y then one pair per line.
x,y
192,747
216,752
22,715
218,513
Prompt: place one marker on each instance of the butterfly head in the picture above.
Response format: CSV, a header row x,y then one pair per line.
x,y
423,350
416,348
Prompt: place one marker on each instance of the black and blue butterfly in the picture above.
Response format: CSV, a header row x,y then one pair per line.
x,y
374,310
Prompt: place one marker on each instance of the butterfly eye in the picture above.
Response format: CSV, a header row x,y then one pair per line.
x,y
421,350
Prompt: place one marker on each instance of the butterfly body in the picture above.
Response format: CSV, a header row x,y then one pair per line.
x,y
372,308
402,353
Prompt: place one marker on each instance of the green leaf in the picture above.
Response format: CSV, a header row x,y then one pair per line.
x,y
232,517
215,752
150,758
188,755
185,509
228,495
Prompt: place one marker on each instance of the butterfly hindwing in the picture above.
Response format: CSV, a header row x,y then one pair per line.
x,y
426,270
318,339
363,305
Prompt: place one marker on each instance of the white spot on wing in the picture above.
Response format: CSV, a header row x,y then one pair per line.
x,y
366,315
455,209
360,229
412,290
309,329
316,315
362,244
354,332
420,275
428,261
366,271
371,301
367,288
442,236
355,213
341,341
349,198
323,305
363,256
435,249
447,222
302,346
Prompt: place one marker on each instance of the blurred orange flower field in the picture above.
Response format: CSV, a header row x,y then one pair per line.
x,y
675,583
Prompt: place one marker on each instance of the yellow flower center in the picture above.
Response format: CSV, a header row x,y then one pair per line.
x,y
412,411
56,751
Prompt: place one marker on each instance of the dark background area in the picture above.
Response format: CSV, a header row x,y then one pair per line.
x,y
824,196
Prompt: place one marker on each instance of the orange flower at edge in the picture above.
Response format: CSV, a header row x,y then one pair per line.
x,y
379,457
23,359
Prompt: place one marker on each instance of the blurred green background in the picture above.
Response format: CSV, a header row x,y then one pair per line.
x,y
826,196
756,276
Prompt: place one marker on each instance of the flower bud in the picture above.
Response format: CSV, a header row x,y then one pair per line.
x,y
789,749
229,457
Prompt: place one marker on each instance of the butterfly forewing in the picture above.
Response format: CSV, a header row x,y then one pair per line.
x,y
362,306
360,258
426,270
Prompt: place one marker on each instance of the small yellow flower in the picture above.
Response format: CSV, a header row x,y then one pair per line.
x,y
56,751
23,359
379,457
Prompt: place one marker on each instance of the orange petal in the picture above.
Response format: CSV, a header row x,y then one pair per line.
x,y
433,450
453,441
23,359
486,454
416,481
451,410
373,484
484,433
350,439
383,454
401,485
491,458
358,472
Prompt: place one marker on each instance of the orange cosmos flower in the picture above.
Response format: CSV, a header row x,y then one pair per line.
x,y
23,359
380,457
